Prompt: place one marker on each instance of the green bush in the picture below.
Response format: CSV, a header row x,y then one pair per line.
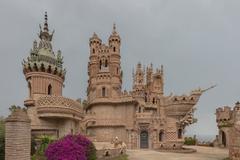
x,y
91,153
190,141
39,153
33,146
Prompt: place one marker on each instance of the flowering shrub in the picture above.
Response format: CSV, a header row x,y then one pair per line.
x,y
71,147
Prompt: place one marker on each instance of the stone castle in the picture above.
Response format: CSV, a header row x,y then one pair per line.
x,y
225,118
142,118
228,122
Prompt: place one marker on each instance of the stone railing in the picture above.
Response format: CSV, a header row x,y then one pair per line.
x,y
178,109
123,99
57,106
107,122
144,115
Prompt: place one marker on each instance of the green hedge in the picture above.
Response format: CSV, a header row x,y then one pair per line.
x,y
190,141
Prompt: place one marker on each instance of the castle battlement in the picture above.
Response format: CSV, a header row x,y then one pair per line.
x,y
226,117
224,113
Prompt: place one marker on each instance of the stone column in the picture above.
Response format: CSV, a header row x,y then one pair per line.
x,y
18,136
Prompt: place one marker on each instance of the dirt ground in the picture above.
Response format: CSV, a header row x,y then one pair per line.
x,y
203,153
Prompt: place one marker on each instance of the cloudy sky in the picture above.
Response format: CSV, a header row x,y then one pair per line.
x,y
197,41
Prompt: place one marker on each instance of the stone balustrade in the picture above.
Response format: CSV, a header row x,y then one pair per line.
x,y
144,115
58,106
123,99
107,122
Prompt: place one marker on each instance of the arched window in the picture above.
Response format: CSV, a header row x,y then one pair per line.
x,y
30,89
93,51
179,133
103,91
106,63
114,49
100,64
161,135
145,97
117,70
153,101
49,89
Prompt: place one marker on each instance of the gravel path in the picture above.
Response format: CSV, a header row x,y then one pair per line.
x,y
203,153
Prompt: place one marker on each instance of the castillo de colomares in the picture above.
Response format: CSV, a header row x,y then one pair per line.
x,y
120,80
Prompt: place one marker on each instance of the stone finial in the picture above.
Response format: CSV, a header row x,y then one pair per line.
x,y
114,28
162,70
44,34
46,22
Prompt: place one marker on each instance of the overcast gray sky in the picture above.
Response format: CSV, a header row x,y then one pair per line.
x,y
197,41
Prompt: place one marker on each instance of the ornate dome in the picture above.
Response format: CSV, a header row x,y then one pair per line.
x,y
42,58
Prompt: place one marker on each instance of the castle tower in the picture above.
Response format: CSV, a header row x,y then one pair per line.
x,y
43,68
138,79
46,106
157,82
104,67
149,75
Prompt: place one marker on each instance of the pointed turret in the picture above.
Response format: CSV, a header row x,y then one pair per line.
x,y
114,40
44,67
94,43
139,83
95,40
149,75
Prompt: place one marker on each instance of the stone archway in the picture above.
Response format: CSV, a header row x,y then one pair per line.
x,y
224,139
144,138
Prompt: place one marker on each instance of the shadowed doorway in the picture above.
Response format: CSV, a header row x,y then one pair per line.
x,y
144,139
224,140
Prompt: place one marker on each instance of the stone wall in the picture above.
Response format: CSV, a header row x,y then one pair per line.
x,y
18,136
234,144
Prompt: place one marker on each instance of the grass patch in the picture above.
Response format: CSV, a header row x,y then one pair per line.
x,y
226,159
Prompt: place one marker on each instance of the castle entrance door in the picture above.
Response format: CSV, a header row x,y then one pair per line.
x,y
144,139
224,140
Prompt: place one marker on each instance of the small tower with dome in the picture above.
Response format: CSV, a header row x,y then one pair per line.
x,y
45,75
43,69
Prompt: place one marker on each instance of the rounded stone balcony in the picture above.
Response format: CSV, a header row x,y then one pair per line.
x,y
59,107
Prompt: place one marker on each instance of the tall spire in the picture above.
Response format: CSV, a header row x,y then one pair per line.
x,y
44,34
114,28
46,23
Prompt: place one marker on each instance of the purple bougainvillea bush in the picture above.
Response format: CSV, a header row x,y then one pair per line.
x,y
71,147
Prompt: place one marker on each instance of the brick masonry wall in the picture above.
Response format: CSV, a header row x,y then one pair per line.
x,y
18,136
234,143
